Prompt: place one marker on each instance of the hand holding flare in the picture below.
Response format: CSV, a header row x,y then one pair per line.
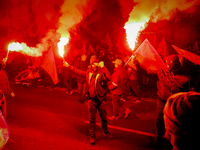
x,y
131,59
65,64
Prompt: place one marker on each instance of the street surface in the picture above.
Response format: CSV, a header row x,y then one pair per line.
x,y
44,119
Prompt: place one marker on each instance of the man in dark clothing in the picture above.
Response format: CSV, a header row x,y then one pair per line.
x,y
81,81
67,78
96,86
134,80
117,88
169,81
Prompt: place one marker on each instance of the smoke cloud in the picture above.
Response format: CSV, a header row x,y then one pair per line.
x,y
144,10
35,22
72,13
38,23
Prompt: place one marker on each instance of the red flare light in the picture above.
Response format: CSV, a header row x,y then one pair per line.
x,y
132,30
24,49
61,45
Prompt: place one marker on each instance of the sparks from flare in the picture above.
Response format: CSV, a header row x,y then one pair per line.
x,y
132,30
61,45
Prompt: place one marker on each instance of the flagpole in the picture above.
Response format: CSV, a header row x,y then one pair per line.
x,y
132,56
128,60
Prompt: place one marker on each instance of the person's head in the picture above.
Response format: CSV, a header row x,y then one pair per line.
x,y
83,57
94,62
102,53
118,63
172,62
181,117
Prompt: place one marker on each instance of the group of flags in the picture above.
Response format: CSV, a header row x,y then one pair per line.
x,y
49,65
149,57
153,59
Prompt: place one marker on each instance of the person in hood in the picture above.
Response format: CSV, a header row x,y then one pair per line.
x,y
97,77
181,117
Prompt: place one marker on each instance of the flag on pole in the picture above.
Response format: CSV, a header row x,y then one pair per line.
x,y
108,41
196,48
148,57
91,50
83,49
162,49
188,55
49,66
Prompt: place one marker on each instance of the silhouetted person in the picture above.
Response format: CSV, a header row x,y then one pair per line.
x,y
181,117
97,77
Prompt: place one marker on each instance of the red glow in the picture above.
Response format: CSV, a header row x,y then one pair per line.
x,y
61,44
132,30
24,49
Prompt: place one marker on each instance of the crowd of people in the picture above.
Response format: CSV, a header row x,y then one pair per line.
x,y
169,81
96,76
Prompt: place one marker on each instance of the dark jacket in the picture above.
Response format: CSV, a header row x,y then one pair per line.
x,y
101,81
119,81
133,73
81,65
168,83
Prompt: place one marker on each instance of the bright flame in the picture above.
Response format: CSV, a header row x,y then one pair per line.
x,y
61,44
132,30
15,46
24,49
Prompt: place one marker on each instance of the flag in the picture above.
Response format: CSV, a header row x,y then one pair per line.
x,y
148,57
91,50
196,48
188,55
162,49
49,66
108,41
98,47
83,49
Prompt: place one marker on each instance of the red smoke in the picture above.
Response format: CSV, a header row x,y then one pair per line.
x,y
35,22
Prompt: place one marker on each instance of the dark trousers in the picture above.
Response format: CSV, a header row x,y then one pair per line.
x,y
117,103
67,84
81,88
94,105
136,88
160,126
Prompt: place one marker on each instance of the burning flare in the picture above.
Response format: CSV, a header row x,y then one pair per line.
x,y
24,49
61,45
132,30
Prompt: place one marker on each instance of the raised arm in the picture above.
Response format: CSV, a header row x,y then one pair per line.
x,y
74,70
